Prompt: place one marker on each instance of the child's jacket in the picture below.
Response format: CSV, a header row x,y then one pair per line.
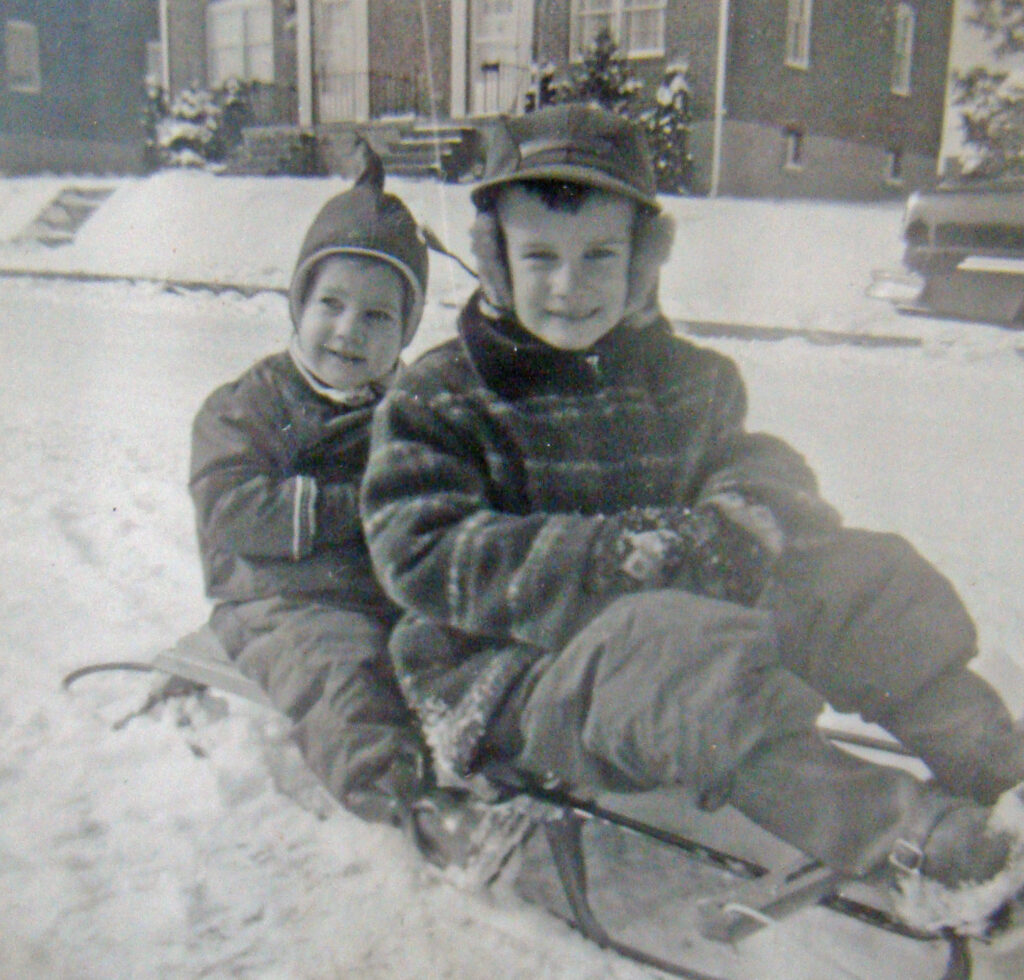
x,y
494,458
274,478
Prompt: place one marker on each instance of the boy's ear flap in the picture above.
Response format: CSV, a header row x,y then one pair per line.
x,y
492,268
652,243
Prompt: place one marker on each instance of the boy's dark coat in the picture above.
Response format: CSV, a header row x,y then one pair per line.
x,y
274,478
495,457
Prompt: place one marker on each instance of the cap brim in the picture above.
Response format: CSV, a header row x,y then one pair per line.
x,y
572,173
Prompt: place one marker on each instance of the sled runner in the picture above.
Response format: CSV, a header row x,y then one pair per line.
x,y
709,896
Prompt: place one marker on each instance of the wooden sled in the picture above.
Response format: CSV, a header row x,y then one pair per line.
x,y
708,896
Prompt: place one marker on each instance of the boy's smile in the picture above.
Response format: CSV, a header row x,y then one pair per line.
x,y
569,269
350,330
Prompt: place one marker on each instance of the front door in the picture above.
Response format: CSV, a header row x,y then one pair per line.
x,y
340,60
500,44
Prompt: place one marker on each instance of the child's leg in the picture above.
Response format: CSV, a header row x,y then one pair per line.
x,y
327,669
667,688
876,629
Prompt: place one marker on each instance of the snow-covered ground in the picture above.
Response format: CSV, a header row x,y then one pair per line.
x,y
187,843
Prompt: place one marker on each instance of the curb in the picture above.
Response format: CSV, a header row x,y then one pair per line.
x,y
168,284
708,329
734,331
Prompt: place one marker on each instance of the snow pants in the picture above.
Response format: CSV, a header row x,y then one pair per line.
x,y
328,670
668,688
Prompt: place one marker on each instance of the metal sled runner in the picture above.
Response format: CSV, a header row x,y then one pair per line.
x,y
709,896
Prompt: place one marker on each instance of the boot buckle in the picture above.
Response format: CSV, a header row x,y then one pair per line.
x,y
906,856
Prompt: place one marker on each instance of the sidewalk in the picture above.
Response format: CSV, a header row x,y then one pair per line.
x,y
826,272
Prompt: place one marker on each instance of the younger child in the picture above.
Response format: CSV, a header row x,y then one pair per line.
x,y
606,580
277,457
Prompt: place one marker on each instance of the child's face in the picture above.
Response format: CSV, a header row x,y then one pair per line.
x,y
350,331
570,271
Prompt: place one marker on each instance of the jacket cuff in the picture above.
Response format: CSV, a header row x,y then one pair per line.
x,y
303,516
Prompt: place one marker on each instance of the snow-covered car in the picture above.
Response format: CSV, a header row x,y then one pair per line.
x,y
944,226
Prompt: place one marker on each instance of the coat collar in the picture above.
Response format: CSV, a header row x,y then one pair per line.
x,y
515,364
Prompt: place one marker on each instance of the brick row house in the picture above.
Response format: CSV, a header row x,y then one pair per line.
x,y
816,98
833,98
73,83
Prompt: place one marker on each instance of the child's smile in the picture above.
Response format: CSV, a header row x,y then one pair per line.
x,y
569,269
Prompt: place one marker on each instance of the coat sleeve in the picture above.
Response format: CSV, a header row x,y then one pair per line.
x,y
754,479
249,498
443,548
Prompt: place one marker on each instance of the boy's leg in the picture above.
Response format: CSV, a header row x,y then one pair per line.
x,y
877,630
668,689
327,669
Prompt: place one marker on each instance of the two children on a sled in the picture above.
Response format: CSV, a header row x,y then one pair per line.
x,y
602,577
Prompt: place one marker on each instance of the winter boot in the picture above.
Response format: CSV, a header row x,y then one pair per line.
x,y
961,866
471,840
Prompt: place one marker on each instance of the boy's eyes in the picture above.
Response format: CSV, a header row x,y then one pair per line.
x,y
596,253
380,316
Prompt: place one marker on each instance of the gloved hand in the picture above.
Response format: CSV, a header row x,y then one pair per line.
x,y
697,550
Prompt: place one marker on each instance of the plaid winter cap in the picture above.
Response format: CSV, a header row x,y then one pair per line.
x,y
365,222
572,142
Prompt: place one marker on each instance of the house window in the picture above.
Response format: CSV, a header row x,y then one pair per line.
x,y
794,148
894,167
240,40
798,33
21,56
902,49
638,26
493,18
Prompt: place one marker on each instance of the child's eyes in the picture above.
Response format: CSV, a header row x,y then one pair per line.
x,y
538,255
603,252
380,316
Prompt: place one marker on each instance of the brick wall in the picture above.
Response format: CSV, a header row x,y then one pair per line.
x,y
87,114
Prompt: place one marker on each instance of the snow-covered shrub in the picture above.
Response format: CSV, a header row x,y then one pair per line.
x,y
991,101
542,90
668,130
202,127
602,78
605,78
991,106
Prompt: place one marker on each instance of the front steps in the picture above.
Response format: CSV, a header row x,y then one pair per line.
x,y
449,151
59,221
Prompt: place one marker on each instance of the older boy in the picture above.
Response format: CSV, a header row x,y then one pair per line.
x,y
608,581
277,456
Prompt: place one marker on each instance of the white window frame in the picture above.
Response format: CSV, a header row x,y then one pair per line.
x,y
21,49
798,33
246,44
622,18
902,49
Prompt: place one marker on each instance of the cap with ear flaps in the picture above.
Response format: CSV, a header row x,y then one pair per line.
x,y
365,222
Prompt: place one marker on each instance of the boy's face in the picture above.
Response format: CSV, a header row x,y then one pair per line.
x,y
350,331
569,270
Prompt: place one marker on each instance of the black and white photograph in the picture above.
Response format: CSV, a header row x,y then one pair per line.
x,y
512,488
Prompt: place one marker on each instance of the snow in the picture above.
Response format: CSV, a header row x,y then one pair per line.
x,y
188,842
